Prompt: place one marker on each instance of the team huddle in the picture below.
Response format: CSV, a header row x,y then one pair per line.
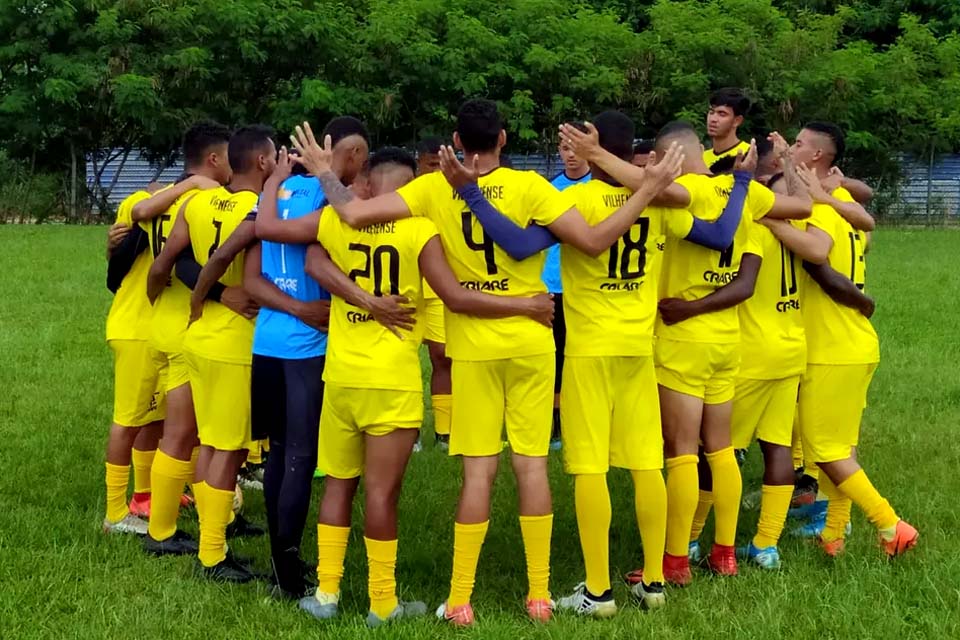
x,y
656,306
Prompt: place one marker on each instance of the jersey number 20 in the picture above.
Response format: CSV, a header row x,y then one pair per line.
x,y
376,256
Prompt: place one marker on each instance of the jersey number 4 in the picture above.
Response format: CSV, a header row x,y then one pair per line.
x,y
376,257
485,245
634,251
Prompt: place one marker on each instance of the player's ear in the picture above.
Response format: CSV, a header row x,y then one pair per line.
x,y
456,142
502,139
737,121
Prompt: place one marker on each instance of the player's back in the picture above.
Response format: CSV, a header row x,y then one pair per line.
x,y
220,334
130,311
522,196
382,259
837,334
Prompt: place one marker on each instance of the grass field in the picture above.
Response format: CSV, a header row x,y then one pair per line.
x,y
60,577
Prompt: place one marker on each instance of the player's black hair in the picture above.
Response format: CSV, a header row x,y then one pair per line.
x,y
616,132
764,147
723,165
479,125
245,144
391,155
430,144
642,146
199,138
731,97
832,131
674,129
343,127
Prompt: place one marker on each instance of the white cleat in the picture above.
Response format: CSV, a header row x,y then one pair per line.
x,y
129,524
583,603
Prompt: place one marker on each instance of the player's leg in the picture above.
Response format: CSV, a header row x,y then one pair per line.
x,y
560,343
476,428
440,392
144,450
388,448
529,398
704,506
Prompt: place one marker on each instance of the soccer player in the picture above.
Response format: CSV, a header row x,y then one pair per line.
x,y
428,155
843,352
727,108
217,347
138,405
697,348
575,171
502,369
641,152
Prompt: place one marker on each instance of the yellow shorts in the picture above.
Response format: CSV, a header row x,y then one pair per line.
x,y
221,400
434,327
350,414
487,394
764,409
139,393
701,369
832,399
174,368
610,413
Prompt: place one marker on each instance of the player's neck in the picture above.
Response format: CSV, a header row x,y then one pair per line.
x,y
487,161
727,142
695,164
576,174
245,182
202,170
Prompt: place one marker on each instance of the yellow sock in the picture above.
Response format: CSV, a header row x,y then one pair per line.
x,y
727,487
467,542
704,504
650,502
142,462
167,477
382,581
331,550
194,456
878,511
536,532
441,413
681,502
796,447
592,501
117,477
213,525
774,503
838,510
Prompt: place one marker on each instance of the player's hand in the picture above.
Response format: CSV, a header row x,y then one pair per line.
x,y
284,166
780,146
868,306
315,313
196,308
240,302
202,182
811,181
674,310
747,162
391,312
833,181
584,145
455,172
115,235
317,159
660,173
541,308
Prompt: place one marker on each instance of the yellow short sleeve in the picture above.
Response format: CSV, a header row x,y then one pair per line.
x,y
328,226
417,194
545,201
842,195
760,200
823,217
754,239
425,230
677,222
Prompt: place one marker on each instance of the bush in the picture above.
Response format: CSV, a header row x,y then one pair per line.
x,y
26,196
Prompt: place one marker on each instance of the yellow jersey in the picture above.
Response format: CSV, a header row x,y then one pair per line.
x,y
171,310
428,292
382,259
610,302
691,272
837,334
522,196
710,156
130,311
772,341
220,334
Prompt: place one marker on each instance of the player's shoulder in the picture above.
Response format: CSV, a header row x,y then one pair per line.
x,y
125,208
843,195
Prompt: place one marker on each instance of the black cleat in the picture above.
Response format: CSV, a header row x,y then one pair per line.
x,y
291,576
227,570
443,441
243,528
179,544
555,438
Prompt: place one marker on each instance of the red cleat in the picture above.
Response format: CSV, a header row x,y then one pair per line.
x,y
723,560
459,616
140,505
540,610
676,570
832,548
903,540
186,500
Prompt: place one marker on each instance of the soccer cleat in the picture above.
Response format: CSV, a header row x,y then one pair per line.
x,y
291,576
243,528
768,558
251,477
832,548
740,455
904,538
322,606
813,528
179,544
140,505
694,554
723,560
650,596
129,524
442,441
540,609
460,616
583,603
555,441
812,510
676,570
228,570
403,610
804,491
187,501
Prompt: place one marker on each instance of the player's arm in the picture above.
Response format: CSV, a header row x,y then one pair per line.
x,y
163,200
436,270
390,311
861,191
115,236
796,203
840,288
266,294
241,238
269,226
122,257
852,212
177,241
718,235
674,310
812,245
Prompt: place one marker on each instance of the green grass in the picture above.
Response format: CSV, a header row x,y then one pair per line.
x,y
60,577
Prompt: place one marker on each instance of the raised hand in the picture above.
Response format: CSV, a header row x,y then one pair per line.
x,y
747,162
284,166
317,159
584,145
454,171
833,181
659,174
811,181
780,146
